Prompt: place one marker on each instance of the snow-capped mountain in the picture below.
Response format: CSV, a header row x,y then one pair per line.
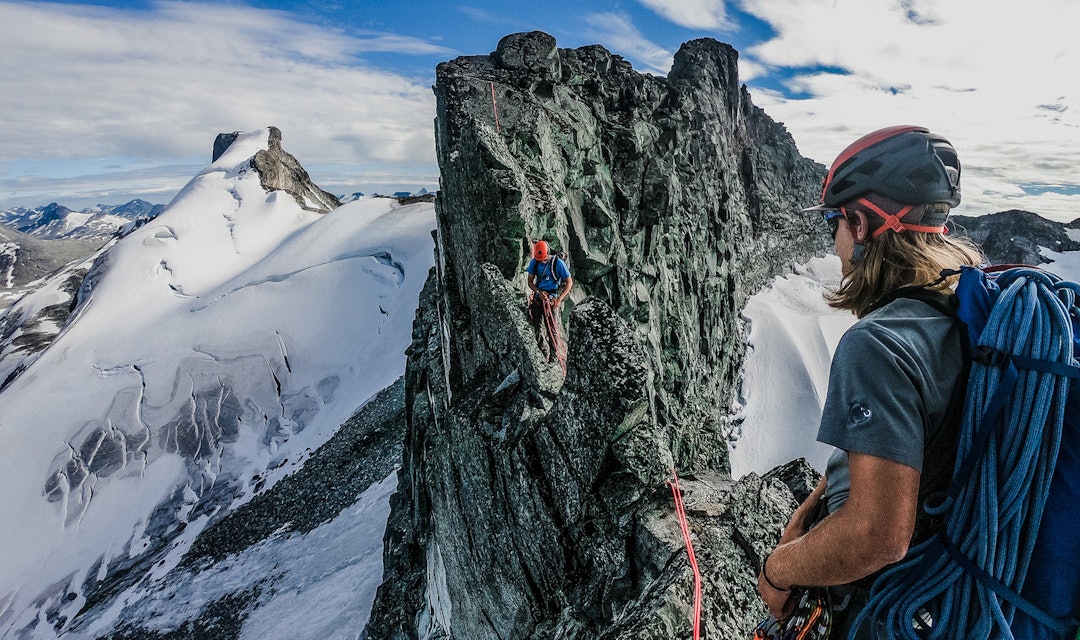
x,y
204,357
55,221
36,242
182,455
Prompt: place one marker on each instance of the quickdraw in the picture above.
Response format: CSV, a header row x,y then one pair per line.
x,y
812,620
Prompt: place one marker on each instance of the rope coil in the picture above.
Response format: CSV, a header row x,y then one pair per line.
x,y
1008,448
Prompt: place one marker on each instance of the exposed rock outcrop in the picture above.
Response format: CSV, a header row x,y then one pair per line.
x,y
25,258
532,505
364,450
279,170
1015,237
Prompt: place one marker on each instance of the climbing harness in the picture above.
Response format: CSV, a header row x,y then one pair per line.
x,y
971,579
684,526
812,620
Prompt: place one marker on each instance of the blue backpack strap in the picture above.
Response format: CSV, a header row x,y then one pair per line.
x,y
1046,366
1058,626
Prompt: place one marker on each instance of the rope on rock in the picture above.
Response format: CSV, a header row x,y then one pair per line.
x,y
1009,443
684,525
551,320
495,107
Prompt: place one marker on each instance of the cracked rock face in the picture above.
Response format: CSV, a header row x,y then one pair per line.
x,y
533,505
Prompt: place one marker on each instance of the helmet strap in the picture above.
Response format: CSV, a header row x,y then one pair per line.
x,y
893,220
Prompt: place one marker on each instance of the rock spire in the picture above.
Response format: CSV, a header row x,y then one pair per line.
x,y
535,506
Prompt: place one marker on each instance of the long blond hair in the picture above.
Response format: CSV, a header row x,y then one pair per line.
x,y
894,260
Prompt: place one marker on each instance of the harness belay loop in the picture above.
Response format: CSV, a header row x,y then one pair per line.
x,y
969,579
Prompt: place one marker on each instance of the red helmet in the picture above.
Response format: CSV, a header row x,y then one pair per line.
x,y
540,250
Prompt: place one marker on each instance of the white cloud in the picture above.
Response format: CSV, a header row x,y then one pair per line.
x,y
997,79
93,82
621,37
692,14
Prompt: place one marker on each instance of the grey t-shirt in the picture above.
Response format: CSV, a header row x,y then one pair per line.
x,y
890,384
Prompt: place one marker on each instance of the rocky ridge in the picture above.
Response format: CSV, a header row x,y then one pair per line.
x,y
1016,237
533,505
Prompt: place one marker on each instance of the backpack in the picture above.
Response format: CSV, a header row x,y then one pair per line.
x,y
549,268
1005,561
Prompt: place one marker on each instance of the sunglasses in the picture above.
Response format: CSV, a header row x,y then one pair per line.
x,y
832,218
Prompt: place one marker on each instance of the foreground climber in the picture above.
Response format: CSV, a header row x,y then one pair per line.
x,y
893,378
550,283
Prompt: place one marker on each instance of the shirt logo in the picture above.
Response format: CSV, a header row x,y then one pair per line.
x,y
859,413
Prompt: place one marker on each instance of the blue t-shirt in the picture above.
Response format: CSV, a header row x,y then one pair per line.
x,y
545,279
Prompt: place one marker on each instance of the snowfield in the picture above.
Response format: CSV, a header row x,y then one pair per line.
x,y
233,332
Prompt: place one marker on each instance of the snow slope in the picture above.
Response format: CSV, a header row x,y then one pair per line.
x,y
232,332
793,334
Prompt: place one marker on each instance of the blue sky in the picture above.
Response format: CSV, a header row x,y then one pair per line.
x,y
109,100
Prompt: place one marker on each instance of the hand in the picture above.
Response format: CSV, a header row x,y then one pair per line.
x,y
795,529
780,603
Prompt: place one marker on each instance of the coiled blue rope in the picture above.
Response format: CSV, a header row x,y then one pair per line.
x,y
1008,448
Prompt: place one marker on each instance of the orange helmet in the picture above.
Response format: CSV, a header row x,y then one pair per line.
x,y
540,250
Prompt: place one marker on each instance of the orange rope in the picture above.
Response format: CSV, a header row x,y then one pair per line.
x,y
680,512
495,107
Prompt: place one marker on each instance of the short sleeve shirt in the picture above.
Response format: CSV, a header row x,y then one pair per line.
x,y
890,384
547,276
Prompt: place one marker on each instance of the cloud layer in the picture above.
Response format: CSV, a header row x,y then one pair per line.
x,y
161,83
120,92
998,79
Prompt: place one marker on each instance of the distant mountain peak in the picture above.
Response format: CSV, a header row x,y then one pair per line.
x,y
279,170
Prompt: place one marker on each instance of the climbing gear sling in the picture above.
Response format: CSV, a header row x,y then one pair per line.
x,y
812,620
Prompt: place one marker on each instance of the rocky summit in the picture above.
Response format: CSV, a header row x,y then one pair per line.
x,y
279,170
536,504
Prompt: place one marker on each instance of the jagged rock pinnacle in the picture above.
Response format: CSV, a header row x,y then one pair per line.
x,y
532,505
281,171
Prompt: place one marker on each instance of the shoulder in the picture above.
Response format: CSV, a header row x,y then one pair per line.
x,y
906,337
531,268
902,327
561,268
